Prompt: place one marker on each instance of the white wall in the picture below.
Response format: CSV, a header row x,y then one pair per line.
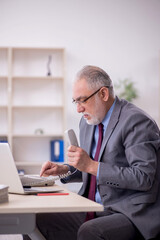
x,y
121,36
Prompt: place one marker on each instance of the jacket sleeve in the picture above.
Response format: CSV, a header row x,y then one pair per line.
x,y
76,175
133,160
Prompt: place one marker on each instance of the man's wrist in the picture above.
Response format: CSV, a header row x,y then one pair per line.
x,y
93,168
66,168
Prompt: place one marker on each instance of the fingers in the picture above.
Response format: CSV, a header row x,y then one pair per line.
x,y
75,156
46,169
80,159
73,152
72,148
51,168
43,168
47,173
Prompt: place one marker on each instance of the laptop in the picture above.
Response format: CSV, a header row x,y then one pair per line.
x,y
9,175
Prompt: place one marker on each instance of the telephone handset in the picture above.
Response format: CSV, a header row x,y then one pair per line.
x,y
71,137
72,140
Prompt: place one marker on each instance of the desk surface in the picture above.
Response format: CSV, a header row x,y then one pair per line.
x,y
39,204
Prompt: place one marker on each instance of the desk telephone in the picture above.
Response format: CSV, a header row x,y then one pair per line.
x,y
37,181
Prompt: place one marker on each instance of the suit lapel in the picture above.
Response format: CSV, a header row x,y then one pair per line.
x,y
88,139
112,124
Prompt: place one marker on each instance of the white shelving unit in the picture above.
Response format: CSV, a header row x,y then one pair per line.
x,y
32,111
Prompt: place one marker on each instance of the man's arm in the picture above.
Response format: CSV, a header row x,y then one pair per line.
x,y
132,163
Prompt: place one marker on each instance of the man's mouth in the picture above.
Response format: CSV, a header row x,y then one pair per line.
x,y
86,116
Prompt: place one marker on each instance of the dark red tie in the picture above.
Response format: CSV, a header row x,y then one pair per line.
x,y
92,187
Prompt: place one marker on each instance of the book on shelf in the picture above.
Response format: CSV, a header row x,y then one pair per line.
x,y
57,150
3,141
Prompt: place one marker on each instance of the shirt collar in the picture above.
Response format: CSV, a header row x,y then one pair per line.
x,y
108,115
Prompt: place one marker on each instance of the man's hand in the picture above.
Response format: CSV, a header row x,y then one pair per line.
x,y
79,159
50,168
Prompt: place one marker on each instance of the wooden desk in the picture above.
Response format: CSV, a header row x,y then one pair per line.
x,y
18,216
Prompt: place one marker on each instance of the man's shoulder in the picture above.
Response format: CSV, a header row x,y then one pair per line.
x,y
132,116
129,110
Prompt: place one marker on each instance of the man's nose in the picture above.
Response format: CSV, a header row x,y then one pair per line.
x,y
80,108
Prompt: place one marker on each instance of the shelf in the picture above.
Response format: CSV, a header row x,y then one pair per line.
x,y
32,104
3,91
3,77
3,138
37,49
3,63
38,92
3,135
38,61
32,164
3,121
3,106
38,77
38,135
37,106
30,168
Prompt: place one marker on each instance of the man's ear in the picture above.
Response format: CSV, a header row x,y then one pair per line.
x,y
104,94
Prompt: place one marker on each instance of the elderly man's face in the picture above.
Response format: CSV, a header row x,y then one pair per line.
x,y
93,109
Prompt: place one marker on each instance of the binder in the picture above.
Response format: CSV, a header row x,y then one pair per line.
x,y
57,150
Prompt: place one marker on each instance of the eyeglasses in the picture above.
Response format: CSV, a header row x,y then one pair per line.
x,y
86,99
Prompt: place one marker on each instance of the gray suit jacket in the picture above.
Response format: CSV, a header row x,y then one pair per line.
x,y
129,174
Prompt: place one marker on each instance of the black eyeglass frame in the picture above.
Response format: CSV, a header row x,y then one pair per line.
x,y
86,99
